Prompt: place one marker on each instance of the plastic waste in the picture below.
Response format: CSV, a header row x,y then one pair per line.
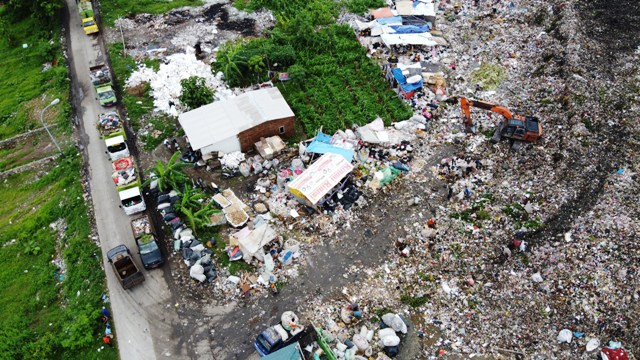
x,y
395,322
593,344
565,335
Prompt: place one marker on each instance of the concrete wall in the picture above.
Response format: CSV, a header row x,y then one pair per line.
x,y
266,129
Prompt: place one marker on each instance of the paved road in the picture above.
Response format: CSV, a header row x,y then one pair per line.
x,y
144,318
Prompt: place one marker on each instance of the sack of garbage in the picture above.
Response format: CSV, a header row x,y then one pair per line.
x,y
197,272
395,322
360,341
392,340
565,335
383,333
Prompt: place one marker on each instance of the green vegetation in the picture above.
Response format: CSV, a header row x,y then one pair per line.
x,y
195,92
222,259
138,101
361,7
44,315
333,84
413,301
162,127
22,81
113,9
476,214
489,76
170,175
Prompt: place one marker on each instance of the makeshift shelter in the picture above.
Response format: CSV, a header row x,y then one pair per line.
x,y
320,179
423,39
322,145
238,123
251,242
405,88
382,13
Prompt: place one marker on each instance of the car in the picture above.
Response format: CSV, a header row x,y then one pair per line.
x,y
149,251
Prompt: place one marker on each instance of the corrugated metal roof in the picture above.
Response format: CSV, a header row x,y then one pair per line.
x,y
223,119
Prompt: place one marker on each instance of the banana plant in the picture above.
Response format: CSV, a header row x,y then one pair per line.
x,y
169,175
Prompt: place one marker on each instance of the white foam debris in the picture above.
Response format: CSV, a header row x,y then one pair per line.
x,y
165,84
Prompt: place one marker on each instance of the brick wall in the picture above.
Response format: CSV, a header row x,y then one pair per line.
x,y
266,129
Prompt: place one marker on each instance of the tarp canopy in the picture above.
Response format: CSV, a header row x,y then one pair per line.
x,y
290,352
395,20
411,29
424,39
320,177
322,145
415,8
381,13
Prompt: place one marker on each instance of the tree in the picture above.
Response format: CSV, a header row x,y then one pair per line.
x,y
195,92
200,218
168,175
231,63
190,198
256,65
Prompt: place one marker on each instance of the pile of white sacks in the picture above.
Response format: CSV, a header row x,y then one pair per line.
x,y
165,84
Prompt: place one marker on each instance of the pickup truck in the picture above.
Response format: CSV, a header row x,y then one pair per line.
x,y
101,79
126,270
131,199
87,17
148,248
112,131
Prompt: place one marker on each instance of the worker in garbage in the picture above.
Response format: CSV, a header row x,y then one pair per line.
x,y
431,223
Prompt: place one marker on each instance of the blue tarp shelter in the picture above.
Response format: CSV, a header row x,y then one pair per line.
x,y
410,29
395,20
402,81
322,145
291,352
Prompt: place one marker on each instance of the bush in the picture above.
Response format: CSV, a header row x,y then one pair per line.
x,y
195,92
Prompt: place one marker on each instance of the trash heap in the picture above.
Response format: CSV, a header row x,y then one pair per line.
x,y
529,253
195,255
165,83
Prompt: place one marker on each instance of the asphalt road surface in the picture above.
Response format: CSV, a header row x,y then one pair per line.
x,y
144,319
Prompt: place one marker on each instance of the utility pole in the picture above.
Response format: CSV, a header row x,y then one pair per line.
x,y
54,102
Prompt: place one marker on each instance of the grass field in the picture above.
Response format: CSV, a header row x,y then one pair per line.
x,y
42,315
45,313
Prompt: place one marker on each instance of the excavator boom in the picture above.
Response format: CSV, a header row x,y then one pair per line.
x,y
466,105
526,128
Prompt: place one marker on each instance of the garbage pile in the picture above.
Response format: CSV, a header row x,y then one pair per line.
x,y
196,256
525,251
165,83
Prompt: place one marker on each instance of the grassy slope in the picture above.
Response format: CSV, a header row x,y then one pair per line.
x,y
23,83
40,317
35,323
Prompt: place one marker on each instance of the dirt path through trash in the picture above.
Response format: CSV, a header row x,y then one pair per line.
x,y
326,271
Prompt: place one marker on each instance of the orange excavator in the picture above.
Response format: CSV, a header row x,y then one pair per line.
x,y
515,127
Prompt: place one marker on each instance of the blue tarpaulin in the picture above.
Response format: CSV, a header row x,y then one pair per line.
x,y
395,20
410,29
321,145
402,81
